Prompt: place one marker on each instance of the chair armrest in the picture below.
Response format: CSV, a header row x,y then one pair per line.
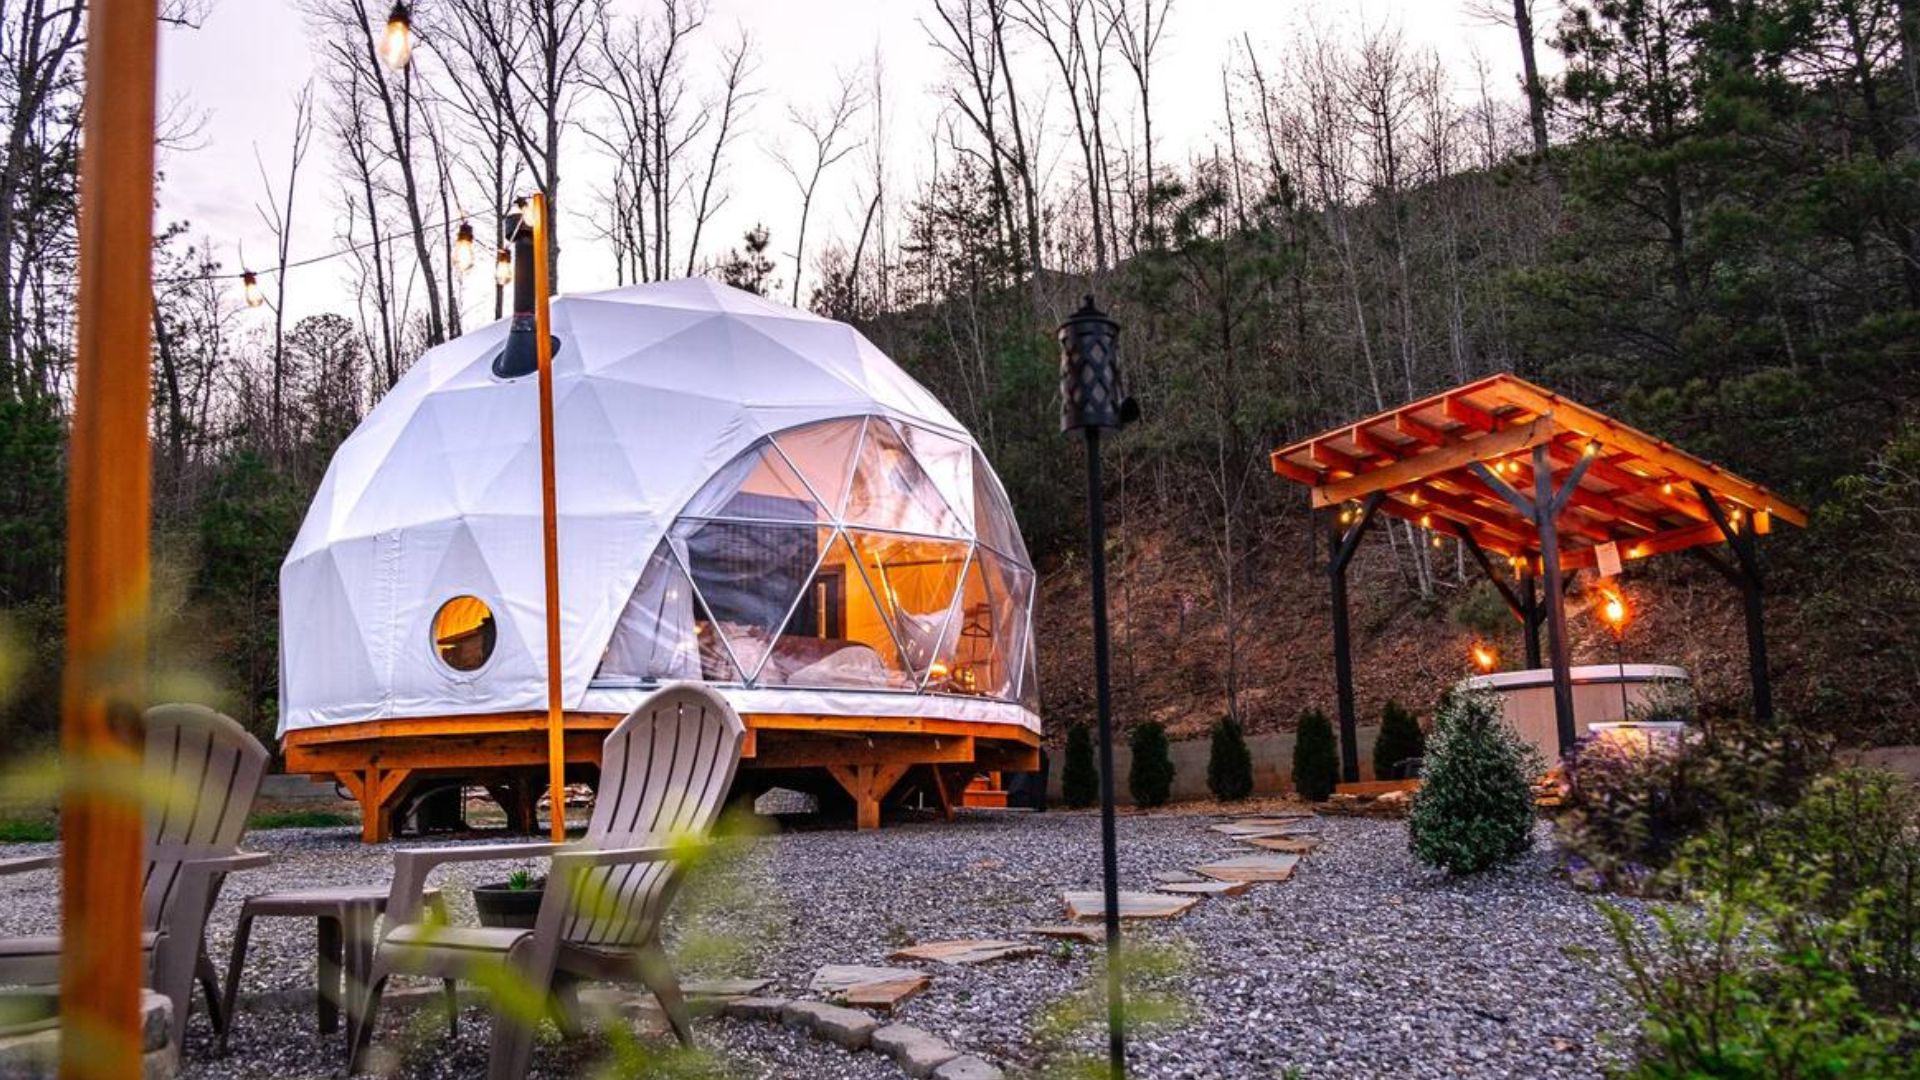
x,y
222,864
587,858
412,865
27,862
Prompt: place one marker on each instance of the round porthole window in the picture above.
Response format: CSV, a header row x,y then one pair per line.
x,y
463,633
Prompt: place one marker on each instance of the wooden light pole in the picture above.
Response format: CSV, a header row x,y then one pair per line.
x,y
549,519
104,686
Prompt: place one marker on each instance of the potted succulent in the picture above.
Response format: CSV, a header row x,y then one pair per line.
x,y
514,902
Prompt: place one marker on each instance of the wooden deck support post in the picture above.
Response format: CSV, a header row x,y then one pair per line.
x,y
1531,615
104,683
379,793
868,784
1340,548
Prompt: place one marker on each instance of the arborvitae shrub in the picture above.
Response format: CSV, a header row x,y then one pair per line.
x,y
1474,809
1079,780
1151,778
1400,739
1229,762
1316,760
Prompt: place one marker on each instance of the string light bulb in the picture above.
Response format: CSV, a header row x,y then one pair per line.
x,y
250,288
396,44
529,212
463,247
502,268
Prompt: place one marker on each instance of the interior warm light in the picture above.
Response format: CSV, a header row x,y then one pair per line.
x,y
463,247
250,287
396,44
1485,656
502,268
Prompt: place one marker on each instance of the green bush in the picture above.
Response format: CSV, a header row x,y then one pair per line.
x,y
1631,807
1797,958
1229,762
1316,760
1400,740
1079,780
1151,778
1474,809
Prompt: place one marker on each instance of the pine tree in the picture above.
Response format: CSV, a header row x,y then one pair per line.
x,y
1229,762
1400,740
1151,778
1079,780
1474,809
1316,762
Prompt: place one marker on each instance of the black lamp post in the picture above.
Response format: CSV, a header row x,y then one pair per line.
x,y
1092,397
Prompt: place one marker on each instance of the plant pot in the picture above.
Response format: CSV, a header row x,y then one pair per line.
x,y
500,904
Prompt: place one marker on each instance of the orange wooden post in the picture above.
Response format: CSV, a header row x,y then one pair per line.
x,y
550,520
107,579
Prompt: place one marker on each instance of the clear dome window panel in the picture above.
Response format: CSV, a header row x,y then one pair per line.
x,y
665,632
838,636
993,520
949,462
759,485
1030,678
1009,596
914,580
980,654
749,574
891,491
823,454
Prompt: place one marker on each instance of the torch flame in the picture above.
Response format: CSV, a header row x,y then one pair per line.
x,y
1485,657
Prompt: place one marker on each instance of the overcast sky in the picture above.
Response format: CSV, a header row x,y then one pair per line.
x,y
242,69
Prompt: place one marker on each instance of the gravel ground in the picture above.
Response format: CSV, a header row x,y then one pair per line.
x,y
1363,965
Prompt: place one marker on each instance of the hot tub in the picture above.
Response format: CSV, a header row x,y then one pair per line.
x,y
1527,697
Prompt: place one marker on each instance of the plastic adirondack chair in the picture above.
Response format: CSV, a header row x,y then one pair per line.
x,y
202,772
664,772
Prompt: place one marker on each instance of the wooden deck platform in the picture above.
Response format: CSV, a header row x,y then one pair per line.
x,y
384,763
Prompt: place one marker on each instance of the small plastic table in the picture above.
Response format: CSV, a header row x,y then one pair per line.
x,y
344,917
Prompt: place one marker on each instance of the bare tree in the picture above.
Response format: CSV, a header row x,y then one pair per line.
x,y
1137,34
1518,14
277,214
1077,41
531,62
737,66
825,140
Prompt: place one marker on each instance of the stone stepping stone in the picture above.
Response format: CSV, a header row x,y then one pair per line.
x,y
1092,934
1166,876
1263,867
868,987
1207,888
1133,905
724,988
1242,832
965,952
1292,845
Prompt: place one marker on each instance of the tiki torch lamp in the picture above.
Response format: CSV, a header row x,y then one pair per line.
x,y
1093,398
1614,612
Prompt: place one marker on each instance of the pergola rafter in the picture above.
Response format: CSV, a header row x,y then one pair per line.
x,y
1512,469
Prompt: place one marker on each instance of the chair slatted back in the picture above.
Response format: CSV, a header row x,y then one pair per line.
x,y
202,771
664,773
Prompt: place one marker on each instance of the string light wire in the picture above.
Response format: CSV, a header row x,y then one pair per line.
x,y
298,264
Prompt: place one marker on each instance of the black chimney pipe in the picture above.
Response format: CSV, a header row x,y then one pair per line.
x,y
520,357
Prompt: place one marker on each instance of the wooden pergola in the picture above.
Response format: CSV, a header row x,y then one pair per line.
x,y
1514,470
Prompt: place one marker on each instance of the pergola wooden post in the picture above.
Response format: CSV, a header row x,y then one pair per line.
x,y
1341,544
1514,470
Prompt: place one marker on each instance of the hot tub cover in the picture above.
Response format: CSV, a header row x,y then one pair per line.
x,y
748,494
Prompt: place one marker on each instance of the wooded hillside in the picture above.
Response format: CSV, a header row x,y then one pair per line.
x,y
1705,226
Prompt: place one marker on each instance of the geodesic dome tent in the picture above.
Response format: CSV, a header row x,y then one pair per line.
x,y
748,495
